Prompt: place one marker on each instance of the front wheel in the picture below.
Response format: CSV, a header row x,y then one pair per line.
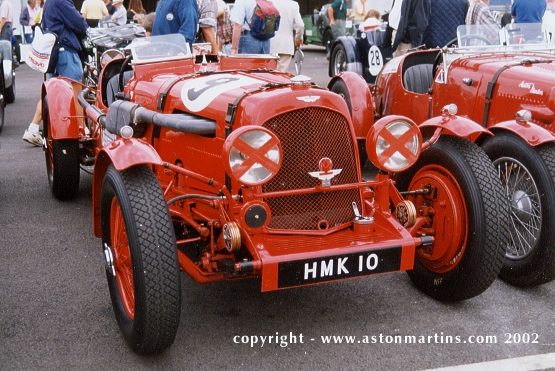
x,y
141,259
465,213
528,177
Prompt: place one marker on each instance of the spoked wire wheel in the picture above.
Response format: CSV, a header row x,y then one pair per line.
x,y
339,60
525,207
527,175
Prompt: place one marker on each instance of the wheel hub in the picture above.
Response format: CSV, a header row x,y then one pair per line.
x,y
526,214
444,205
522,205
109,260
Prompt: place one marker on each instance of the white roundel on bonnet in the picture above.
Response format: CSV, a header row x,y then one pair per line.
x,y
198,93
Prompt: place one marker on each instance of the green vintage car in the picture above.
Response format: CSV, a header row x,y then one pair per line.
x,y
317,30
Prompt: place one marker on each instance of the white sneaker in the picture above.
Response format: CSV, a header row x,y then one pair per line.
x,y
33,138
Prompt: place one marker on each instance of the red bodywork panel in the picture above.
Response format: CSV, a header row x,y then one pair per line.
x,y
512,82
122,154
65,113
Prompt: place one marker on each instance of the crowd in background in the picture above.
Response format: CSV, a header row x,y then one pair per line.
x,y
433,23
410,23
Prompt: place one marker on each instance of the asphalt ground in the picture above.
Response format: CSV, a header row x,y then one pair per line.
x,y
55,310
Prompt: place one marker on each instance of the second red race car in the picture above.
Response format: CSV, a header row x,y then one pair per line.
x,y
504,81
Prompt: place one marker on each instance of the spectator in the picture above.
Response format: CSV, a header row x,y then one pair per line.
x,y
120,15
136,11
337,14
479,13
207,10
38,16
371,21
6,20
290,33
61,18
176,16
528,11
27,19
93,11
242,41
360,10
445,17
224,28
409,19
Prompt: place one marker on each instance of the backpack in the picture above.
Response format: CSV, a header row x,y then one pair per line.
x,y
265,20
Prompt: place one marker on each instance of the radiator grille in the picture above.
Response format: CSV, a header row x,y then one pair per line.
x,y
306,136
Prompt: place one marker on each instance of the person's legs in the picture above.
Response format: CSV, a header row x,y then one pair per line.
x,y
32,134
249,45
283,62
264,47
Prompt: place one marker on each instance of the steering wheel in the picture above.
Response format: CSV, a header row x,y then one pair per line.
x,y
122,70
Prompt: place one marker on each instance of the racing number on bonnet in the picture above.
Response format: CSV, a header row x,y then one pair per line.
x,y
198,93
375,60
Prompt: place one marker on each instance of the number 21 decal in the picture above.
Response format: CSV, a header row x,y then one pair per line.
x,y
198,93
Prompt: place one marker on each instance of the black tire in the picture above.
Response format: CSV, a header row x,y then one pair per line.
x,y
339,87
134,198
62,161
528,176
470,255
327,40
10,92
2,101
338,60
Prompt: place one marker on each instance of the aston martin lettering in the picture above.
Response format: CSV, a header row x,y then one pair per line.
x,y
531,87
337,267
198,93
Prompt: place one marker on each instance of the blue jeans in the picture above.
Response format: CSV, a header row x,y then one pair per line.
x,y
250,45
69,65
6,32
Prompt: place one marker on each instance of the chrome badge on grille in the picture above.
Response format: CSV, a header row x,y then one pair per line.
x,y
309,98
326,173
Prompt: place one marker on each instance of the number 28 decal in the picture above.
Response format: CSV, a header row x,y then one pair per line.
x,y
198,93
375,60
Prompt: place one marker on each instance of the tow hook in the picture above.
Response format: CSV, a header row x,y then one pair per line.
x,y
109,259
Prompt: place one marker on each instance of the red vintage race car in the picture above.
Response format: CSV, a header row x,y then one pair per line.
x,y
504,81
226,169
